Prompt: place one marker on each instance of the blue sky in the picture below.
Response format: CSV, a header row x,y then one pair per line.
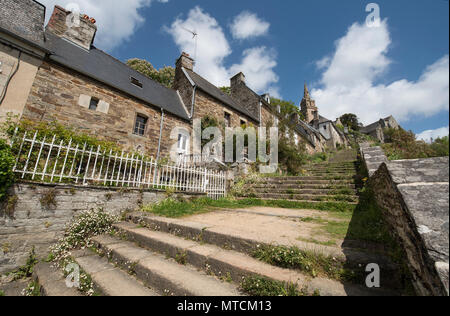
x,y
398,68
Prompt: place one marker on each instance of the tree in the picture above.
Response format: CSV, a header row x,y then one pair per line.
x,y
287,107
351,121
164,76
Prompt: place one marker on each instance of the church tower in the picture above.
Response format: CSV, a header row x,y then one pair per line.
x,y
308,107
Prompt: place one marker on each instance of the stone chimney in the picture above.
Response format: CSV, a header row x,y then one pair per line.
x,y
79,29
237,80
186,62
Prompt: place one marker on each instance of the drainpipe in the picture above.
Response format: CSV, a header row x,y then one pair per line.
x,y
5,90
160,134
193,101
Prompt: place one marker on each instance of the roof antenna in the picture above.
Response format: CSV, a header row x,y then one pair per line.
x,y
194,36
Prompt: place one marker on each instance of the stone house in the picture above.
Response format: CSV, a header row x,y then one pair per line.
x,y
58,74
260,106
22,49
333,136
377,129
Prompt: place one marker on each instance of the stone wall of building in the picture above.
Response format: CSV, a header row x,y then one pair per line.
x,y
205,105
414,198
60,94
28,21
30,222
246,97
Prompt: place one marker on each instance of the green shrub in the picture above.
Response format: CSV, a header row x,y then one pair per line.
x,y
404,145
6,165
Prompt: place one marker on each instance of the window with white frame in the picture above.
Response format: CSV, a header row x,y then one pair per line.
x,y
183,142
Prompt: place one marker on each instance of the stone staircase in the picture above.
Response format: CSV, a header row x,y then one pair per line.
x,y
325,182
154,256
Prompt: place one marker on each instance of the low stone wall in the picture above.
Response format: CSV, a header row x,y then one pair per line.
x,y
414,196
40,213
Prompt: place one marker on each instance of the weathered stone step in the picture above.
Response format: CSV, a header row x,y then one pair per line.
x,y
52,281
229,263
155,270
297,186
109,280
306,186
242,242
307,178
305,197
302,191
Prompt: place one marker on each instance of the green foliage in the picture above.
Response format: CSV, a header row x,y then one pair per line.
x,y
262,287
287,107
62,132
351,121
226,90
318,158
311,263
80,231
164,76
403,145
2,293
32,289
291,158
173,208
27,270
6,165
440,147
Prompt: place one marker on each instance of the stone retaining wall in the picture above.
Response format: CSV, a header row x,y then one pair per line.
x,y
414,196
40,213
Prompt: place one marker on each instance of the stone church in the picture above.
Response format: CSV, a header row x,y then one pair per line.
x,y
57,73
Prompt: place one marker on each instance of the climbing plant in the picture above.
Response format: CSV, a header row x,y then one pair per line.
x,y
6,166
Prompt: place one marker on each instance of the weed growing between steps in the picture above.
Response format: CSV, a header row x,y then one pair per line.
x,y
79,232
26,270
258,286
174,209
2,293
311,263
77,236
33,289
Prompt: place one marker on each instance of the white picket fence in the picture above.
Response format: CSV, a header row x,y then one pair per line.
x,y
51,161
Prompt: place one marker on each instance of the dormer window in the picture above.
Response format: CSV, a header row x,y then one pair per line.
x,y
136,82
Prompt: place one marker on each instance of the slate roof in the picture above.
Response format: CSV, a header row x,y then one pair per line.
x,y
100,66
215,92
370,128
24,20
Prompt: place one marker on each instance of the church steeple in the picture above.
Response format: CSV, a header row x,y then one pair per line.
x,y
308,107
306,93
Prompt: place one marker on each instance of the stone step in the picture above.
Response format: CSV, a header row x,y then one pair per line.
x,y
110,280
166,276
307,178
306,186
52,281
297,201
305,197
242,242
302,191
229,263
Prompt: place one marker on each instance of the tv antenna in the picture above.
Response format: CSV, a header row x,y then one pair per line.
x,y
194,36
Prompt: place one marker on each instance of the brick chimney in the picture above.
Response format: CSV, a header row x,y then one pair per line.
x,y
80,30
185,61
237,80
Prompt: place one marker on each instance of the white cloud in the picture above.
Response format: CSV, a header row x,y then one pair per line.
x,y
247,25
213,48
349,80
257,65
117,20
433,134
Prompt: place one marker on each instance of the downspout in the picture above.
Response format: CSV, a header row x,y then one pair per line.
x,y
193,101
5,90
160,135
